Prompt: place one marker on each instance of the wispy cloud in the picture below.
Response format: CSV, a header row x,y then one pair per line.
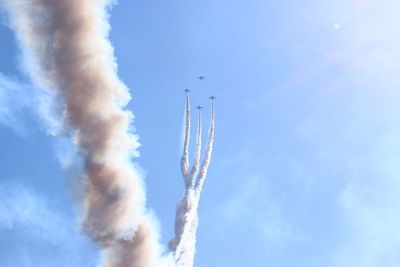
x,y
373,238
39,234
14,102
25,108
370,206
253,207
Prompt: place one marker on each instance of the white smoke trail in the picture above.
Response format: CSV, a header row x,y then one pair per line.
x,y
195,169
70,54
187,212
185,250
186,141
186,222
207,157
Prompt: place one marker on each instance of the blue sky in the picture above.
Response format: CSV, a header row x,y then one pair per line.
x,y
306,165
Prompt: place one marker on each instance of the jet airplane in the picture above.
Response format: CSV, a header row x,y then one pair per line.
x,y
199,107
201,78
186,91
213,98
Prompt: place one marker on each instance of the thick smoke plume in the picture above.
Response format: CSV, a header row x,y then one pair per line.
x,y
186,222
70,53
65,43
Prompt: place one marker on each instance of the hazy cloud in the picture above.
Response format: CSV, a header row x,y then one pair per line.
x,y
37,233
25,108
253,208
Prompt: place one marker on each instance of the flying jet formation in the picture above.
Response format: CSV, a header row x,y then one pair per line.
x,y
199,107
186,91
213,98
201,78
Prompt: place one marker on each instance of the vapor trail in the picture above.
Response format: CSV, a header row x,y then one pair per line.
x,y
186,222
66,42
208,153
186,141
185,249
184,211
195,169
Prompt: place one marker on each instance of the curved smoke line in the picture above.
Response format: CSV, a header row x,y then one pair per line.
x,y
186,141
69,52
195,168
208,153
183,245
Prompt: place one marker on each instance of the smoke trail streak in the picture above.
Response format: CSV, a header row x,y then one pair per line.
x,y
195,169
69,52
185,154
207,157
185,250
186,222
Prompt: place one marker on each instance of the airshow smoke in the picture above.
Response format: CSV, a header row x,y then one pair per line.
x,y
68,51
195,169
183,245
186,141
